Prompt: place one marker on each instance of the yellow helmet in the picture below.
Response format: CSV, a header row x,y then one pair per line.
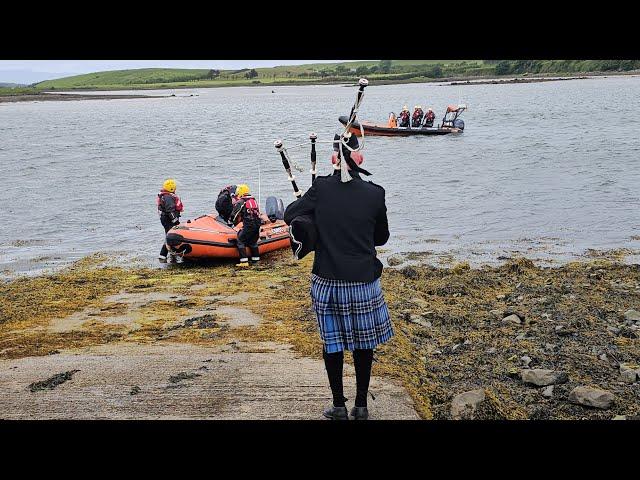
x,y
169,185
418,106
405,108
242,189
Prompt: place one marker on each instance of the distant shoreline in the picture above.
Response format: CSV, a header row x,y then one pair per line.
x,y
48,97
76,94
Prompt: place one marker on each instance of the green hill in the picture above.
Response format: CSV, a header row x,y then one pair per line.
x,y
379,71
314,72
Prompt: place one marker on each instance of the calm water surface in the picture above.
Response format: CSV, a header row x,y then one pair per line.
x,y
548,170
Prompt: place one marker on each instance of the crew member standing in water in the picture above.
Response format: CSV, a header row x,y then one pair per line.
x,y
169,208
351,220
247,211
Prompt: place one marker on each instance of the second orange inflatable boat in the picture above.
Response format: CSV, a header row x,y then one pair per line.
x,y
210,237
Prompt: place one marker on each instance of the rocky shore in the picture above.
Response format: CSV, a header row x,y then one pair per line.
x,y
515,341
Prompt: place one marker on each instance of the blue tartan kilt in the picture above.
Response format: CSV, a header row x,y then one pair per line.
x,y
350,314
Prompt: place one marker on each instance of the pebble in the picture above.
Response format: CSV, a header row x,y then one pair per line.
x,y
492,350
496,313
603,357
632,315
614,330
526,360
591,397
465,405
547,392
418,320
513,318
500,297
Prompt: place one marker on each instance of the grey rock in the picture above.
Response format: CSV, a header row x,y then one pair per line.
x,y
542,377
513,318
629,376
629,373
526,360
632,315
501,297
492,350
591,397
547,392
614,330
465,405
603,357
496,313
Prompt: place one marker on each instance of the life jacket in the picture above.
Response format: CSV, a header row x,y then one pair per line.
x,y
431,116
160,204
417,114
248,213
252,210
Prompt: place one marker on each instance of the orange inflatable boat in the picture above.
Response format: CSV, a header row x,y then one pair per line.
x,y
209,236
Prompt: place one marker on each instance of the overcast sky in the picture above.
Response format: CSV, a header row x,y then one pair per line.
x,y
30,71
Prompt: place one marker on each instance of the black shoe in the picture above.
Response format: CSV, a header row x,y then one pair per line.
x,y
336,413
360,413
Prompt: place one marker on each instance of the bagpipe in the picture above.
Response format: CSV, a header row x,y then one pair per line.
x,y
302,229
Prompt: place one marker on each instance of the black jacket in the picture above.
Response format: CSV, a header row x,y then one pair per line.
x,y
351,220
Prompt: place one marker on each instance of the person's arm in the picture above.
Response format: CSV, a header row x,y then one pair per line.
x,y
305,205
381,232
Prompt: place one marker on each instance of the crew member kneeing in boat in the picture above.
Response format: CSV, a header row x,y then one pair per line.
x,y
429,118
226,201
350,217
417,116
405,117
247,211
169,208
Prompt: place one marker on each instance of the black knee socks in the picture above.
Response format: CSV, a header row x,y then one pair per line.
x,y
362,360
333,363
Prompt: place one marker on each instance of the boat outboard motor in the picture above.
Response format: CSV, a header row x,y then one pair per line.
x,y
272,208
280,214
458,123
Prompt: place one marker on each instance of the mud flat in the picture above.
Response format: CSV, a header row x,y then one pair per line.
x,y
515,341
